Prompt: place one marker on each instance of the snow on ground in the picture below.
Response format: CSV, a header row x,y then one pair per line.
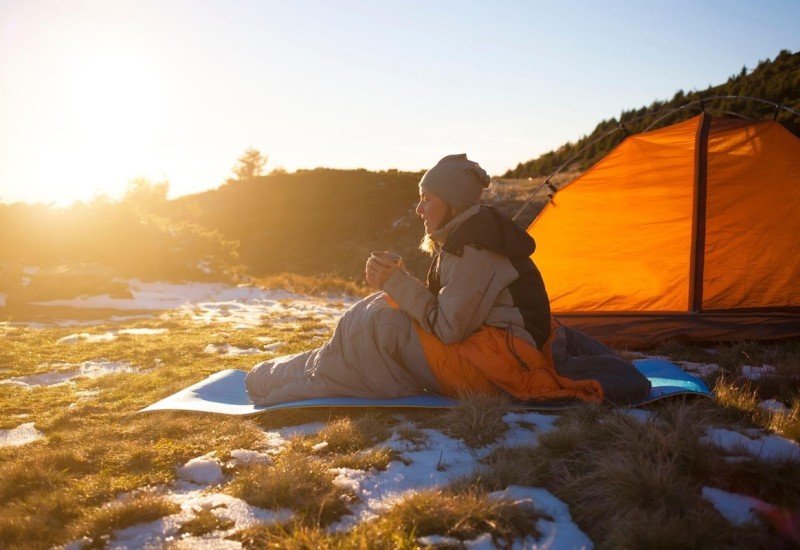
x,y
203,470
700,369
227,349
420,466
21,435
65,372
193,499
757,373
774,406
762,446
241,306
109,336
737,509
561,531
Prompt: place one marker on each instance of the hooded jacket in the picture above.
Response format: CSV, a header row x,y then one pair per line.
x,y
481,274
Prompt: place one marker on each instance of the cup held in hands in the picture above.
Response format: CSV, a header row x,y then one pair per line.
x,y
387,257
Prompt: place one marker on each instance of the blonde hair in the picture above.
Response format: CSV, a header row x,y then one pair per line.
x,y
428,245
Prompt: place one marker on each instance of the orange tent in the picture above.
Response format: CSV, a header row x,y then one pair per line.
x,y
691,231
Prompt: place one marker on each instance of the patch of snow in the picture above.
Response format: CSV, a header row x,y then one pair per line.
x,y
439,540
143,331
160,296
203,470
85,323
90,369
101,367
165,532
86,337
757,373
44,379
561,531
21,435
277,439
766,447
774,406
273,347
737,509
247,456
434,465
702,369
641,415
227,349
243,307
520,434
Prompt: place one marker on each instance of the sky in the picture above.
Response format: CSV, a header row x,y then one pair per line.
x,y
97,93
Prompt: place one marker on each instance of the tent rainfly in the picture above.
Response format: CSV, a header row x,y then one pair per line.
x,y
691,231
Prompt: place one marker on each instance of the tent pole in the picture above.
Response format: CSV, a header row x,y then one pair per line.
x,y
696,263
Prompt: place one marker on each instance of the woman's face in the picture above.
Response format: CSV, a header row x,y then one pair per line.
x,y
433,211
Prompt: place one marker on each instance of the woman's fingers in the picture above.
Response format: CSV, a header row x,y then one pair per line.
x,y
377,272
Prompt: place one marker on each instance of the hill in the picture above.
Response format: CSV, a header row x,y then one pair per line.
x,y
776,81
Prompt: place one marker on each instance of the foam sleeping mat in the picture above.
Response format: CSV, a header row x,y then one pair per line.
x,y
224,393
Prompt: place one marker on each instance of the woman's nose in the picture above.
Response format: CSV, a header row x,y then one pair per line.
x,y
419,208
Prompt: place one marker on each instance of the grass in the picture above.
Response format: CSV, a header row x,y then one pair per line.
x,y
314,285
629,482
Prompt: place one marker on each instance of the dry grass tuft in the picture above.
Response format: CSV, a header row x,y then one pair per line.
x,y
349,435
204,522
741,401
313,285
463,516
300,537
615,470
97,526
370,459
297,481
477,419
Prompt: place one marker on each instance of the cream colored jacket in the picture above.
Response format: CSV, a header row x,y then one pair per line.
x,y
473,292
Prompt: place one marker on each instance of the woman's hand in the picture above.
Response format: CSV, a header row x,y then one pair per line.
x,y
378,271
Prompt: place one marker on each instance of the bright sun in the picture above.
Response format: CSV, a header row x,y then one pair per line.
x,y
106,126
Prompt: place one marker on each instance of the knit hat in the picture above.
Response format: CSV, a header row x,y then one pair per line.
x,y
457,181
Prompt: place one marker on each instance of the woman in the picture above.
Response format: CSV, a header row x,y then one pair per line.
x,y
481,323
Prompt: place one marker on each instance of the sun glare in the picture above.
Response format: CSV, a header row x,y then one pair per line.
x,y
107,126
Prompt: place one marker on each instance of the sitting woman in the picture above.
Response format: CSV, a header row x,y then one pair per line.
x,y
481,323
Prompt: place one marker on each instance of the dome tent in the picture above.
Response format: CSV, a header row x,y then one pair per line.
x,y
691,231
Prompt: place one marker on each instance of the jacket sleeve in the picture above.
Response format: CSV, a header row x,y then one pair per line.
x,y
471,284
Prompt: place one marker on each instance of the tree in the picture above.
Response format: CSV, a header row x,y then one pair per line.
x,y
146,196
250,164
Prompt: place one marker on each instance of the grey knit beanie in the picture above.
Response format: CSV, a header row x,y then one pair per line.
x,y
457,181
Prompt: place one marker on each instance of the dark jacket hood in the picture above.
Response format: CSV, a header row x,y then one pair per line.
x,y
492,230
